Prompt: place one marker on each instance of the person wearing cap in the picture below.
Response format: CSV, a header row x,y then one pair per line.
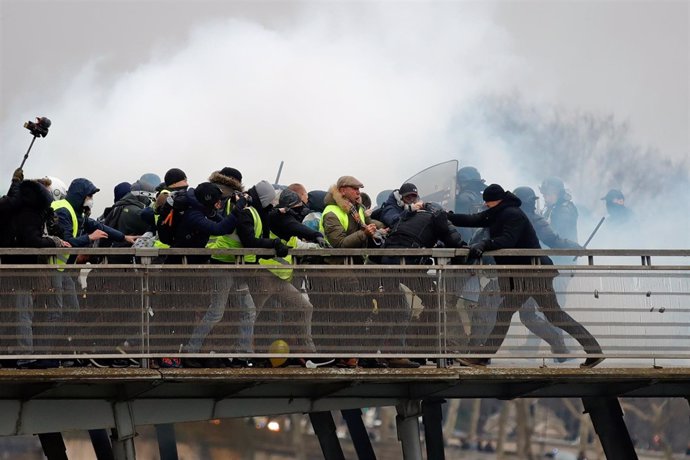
x,y
619,214
346,225
343,221
406,198
509,228
417,227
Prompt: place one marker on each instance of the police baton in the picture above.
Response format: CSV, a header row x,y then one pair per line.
x,y
601,221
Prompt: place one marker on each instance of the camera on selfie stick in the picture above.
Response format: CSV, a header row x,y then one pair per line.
x,y
38,129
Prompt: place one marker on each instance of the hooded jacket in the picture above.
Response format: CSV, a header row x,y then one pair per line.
x,y
509,228
392,209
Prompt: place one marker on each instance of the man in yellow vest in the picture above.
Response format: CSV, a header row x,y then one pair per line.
x,y
79,230
253,232
346,225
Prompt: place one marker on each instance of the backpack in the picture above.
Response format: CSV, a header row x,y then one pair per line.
x,y
170,214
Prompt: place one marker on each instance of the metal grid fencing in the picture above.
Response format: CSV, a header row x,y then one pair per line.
x,y
432,305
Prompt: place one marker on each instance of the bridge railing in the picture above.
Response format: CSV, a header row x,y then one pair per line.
x,y
636,304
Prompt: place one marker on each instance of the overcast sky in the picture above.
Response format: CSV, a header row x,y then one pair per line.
x,y
361,88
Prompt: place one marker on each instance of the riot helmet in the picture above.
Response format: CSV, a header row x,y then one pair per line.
x,y
553,185
57,188
527,196
468,174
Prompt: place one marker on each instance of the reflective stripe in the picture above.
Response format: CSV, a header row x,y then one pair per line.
x,y
282,273
232,241
61,259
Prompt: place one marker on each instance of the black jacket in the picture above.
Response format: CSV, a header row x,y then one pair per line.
x,y
125,216
546,234
245,225
287,224
30,222
509,228
8,206
423,229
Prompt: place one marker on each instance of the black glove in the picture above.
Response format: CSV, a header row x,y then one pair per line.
x,y
322,242
238,206
281,249
476,250
18,175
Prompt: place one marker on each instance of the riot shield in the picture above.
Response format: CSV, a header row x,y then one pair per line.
x,y
437,183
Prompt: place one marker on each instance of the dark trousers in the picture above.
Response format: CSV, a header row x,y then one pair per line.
x,y
516,291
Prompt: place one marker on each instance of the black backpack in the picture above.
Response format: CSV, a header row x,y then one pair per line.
x,y
169,215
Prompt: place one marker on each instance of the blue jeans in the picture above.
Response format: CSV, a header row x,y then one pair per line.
x,y
222,291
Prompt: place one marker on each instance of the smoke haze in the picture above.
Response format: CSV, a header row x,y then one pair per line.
x,y
376,90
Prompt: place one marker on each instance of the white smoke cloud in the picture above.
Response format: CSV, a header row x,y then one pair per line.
x,y
356,88
353,92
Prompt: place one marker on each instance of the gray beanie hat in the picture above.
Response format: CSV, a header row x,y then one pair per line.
x,y
266,192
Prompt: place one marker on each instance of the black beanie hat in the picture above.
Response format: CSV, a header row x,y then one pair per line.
x,y
289,199
231,172
174,175
208,194
493,192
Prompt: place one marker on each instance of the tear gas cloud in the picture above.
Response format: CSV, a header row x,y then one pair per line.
x,y
373,90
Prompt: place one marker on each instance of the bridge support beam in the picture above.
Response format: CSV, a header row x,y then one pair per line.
x,y
123,434
407,422
607,418
324,427
358,433
101,444
432,416
167,445
53,446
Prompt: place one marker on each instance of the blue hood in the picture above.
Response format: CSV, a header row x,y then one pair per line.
x,y
78,190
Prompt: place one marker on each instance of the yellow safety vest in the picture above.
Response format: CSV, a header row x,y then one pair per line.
x,y
232,241
282,273
343,217
62,258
